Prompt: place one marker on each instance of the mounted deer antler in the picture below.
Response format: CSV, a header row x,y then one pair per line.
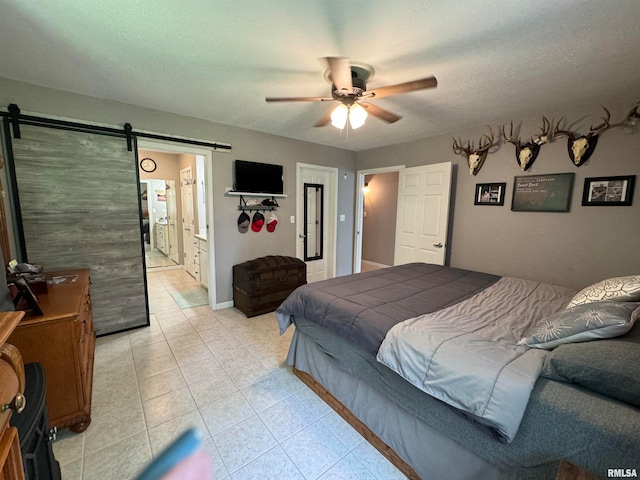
x,y
633,114
475,156
526,153
580,148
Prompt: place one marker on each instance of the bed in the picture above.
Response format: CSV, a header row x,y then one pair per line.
x,y
424,359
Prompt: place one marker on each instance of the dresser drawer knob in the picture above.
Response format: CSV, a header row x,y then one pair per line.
x,y
17,404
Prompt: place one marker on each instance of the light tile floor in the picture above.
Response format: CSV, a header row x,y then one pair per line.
x,y
155,258
224,374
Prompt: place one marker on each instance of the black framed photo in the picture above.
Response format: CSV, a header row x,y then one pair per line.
x,y
26,299
542,193
608,191
490,193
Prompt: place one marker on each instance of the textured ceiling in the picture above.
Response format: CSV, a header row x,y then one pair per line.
x,y
217,60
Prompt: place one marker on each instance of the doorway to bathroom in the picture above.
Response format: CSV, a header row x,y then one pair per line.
x,y
178,218
159,222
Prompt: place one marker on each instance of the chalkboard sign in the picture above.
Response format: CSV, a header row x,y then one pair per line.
x,y
542,193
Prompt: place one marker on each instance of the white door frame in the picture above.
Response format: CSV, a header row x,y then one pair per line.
x,y
188,240
331,213
357,235
208,168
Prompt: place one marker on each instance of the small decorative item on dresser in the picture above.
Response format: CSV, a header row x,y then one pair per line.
x,y
608,191
25,298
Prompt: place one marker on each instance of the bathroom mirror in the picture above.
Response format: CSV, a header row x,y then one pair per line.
x,y
313,221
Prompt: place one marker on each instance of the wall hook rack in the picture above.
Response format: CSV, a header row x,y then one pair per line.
x,y
267,205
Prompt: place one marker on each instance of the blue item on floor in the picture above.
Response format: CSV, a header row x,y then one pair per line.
x,y
181,448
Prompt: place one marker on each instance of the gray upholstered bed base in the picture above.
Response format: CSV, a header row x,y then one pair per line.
x,y
430,453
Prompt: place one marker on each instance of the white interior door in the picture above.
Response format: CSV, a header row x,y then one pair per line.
x,y
324,267
188,220
423,214
172,221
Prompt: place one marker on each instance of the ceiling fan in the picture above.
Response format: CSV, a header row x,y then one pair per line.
x,y
348,86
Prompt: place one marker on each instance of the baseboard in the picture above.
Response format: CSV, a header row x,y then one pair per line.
x,y
375,264
220,306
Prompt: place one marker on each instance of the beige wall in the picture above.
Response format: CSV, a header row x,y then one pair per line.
x,y
231,247
168,167
378,226
574,249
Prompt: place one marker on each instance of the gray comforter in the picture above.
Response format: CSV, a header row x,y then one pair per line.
x,y
466,354
362,308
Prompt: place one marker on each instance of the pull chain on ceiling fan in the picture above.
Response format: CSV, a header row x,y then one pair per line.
x,y
348,86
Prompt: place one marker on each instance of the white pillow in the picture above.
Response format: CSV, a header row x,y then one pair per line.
x,y
618,289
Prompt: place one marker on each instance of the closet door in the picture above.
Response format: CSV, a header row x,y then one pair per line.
x,y
78,195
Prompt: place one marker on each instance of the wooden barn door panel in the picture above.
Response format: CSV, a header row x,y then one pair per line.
x,y
78,198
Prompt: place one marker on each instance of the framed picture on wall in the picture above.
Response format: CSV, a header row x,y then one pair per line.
x,y
490,193
608,191
542,193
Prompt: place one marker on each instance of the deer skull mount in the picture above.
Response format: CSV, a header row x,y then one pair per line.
x,y
475,156
581,148
526,153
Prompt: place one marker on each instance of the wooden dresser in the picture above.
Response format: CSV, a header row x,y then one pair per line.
x,y
11,400
63,341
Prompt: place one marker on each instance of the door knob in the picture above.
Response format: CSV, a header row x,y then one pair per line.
x,y
438,245
300,235
17,404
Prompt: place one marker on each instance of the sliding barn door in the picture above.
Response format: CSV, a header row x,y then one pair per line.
x,y
78,196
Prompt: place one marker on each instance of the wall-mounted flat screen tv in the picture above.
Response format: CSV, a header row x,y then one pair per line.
x,y
254,177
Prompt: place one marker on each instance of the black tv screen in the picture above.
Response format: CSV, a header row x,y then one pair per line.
x,y
254,177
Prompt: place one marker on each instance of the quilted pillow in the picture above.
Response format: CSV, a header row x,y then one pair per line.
x,y
582,323
618,289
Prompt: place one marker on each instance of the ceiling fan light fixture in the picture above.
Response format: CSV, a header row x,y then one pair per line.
x,y
357,116
339,116
355,113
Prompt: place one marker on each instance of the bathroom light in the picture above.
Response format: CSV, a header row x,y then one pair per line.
x,y
365,189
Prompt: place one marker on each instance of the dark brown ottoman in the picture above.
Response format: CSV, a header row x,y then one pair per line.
x,y
261,285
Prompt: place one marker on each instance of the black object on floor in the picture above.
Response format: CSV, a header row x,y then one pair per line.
x,y
33,428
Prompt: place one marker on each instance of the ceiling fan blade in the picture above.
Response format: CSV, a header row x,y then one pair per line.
x,y
429,82
326,118
381,113
340,73
298,99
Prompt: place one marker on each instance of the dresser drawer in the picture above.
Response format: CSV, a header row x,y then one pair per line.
x,y
10,388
